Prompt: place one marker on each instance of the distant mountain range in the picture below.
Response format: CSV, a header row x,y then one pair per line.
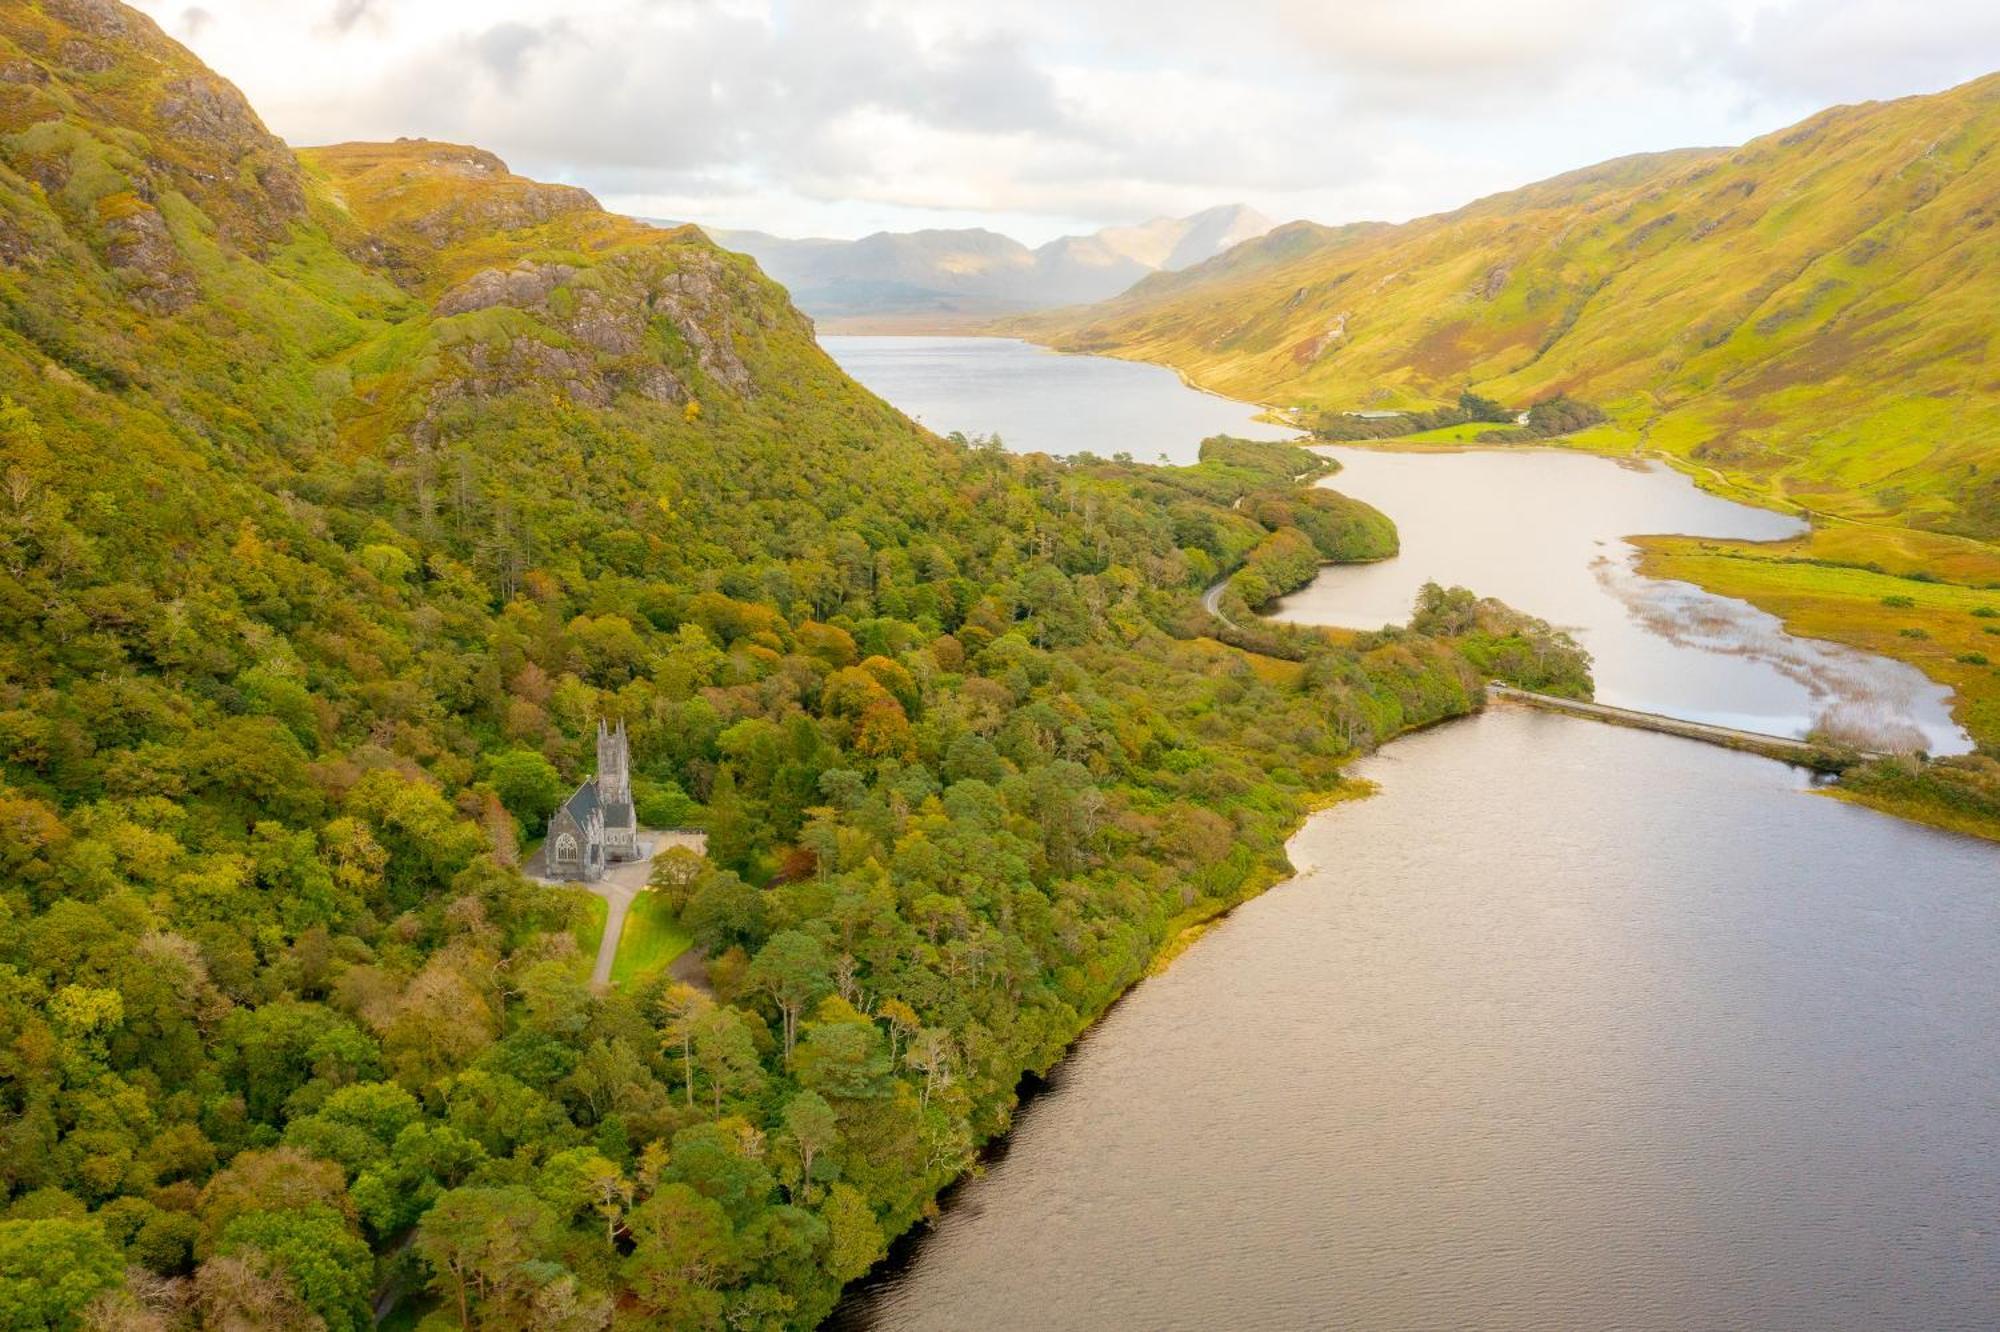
x,y
940,278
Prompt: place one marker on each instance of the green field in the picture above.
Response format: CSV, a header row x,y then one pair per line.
x,y
651,939
1944,629
1468,433
588,928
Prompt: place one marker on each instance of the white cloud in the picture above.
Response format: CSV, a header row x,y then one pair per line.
x,y
838,116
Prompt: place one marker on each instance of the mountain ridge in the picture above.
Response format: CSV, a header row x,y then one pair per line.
x,y
1800,254
957,274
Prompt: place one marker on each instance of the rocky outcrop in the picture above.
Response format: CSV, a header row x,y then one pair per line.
x,y
525,286
693,297
142,253
219,147
1318,345
608,316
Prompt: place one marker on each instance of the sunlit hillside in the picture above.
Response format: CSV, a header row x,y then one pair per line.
x,y
1810,314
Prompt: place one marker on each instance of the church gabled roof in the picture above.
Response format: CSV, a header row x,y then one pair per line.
x,y
584,803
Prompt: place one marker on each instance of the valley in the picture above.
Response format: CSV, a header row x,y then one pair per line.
x,y
346,491
951,281
1554,997
349,493
1795,323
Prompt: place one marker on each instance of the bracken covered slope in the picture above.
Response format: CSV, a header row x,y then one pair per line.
x,y
1809,314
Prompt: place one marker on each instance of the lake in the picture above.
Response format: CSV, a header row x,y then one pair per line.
x,y
1040,401
1542,529
1567,1026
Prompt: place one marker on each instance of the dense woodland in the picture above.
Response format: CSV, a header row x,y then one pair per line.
x,y
341,496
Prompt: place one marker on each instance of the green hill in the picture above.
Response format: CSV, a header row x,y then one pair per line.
x,y
1804,322
1810,312
340,493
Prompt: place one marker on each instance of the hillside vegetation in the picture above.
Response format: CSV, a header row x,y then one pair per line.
x,y
341,492
1804,322
1810,311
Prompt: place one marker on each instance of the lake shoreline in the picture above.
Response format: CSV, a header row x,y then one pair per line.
x,y
1178,939
1038,1096
1037,399
1979,716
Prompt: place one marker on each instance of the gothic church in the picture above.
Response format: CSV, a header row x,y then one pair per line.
x,y
597,827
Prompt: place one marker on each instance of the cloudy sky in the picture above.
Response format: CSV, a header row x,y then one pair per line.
x,y
1036,117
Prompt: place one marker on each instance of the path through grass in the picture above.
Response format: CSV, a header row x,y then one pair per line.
x,y
651,939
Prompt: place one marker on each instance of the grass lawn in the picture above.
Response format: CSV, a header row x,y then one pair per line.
x,y
652,938
589,925
1468,433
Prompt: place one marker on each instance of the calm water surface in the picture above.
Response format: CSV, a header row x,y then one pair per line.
x,y
1039,401
1541,529
1567,1027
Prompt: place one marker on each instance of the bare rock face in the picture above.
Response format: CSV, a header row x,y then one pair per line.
x,y
525,286
602,322
221,142
15,245
183,128
1310,350
693,296
142,253
505,202
99,18
605,321
85,56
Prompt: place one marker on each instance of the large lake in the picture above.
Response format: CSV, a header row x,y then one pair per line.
x,y
1039,401
1567,1027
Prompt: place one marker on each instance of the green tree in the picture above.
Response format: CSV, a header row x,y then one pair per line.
x,y
327,1264
811,1127
675,873
50,1269
793,970
682,1250
680,1006
527,784
847,1061
855,1240
725,1054
482,1246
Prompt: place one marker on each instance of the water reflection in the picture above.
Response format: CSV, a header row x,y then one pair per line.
x,y
1039,401
1541,529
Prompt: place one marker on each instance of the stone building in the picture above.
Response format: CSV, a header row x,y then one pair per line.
x,y
597,826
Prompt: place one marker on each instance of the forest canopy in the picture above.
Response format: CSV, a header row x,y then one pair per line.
x,y
343,494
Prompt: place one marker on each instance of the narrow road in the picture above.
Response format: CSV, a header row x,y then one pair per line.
x,y
620,885
1211,601
1784,748
617,901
